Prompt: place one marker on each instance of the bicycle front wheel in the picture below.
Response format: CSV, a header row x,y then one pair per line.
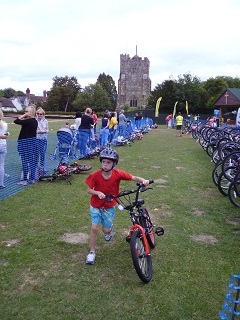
x,y
84,167
79,167
233,194
141,261
223,184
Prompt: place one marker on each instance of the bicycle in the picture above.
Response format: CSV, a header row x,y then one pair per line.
x,y
234,190
63,170
142,234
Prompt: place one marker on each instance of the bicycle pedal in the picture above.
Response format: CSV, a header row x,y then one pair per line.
x,y
159,231
128,239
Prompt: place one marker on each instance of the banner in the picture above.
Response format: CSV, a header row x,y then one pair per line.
x,y
157,107
187,107
174,109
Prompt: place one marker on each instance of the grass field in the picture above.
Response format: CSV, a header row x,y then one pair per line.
x,y
44,242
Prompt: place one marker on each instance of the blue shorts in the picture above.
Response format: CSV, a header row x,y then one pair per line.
x,y
103,216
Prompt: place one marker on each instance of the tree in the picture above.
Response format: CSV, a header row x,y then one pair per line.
x,y
168,90
186,88
233,82
192,91
93,95
63,93
214,86
9,93
20,93
54,100
108,84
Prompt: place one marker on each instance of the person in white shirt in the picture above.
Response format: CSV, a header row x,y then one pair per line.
x,y
42,131
3,146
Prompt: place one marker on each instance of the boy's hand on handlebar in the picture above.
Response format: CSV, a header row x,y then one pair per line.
x,y
145,182
101,195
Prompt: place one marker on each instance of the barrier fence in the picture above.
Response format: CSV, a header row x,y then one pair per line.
x,y
22,158
14,169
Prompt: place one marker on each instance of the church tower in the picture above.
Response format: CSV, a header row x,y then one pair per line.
x,y
134,85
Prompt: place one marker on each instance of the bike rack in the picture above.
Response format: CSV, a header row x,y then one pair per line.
x,y
232,300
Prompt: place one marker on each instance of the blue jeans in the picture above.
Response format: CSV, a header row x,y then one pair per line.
x,y
112,132
41,151
3,153
121,130
104,137
83,138
27,150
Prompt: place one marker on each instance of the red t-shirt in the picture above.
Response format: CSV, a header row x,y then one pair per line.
x,y
95,118
107,186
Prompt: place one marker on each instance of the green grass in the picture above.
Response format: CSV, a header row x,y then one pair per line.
x,y
43,277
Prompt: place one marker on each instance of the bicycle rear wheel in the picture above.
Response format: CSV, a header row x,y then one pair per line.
x,y
141,261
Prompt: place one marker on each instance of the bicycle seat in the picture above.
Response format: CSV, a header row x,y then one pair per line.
x,y
139,202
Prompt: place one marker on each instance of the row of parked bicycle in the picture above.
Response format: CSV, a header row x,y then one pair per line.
x,y
223,146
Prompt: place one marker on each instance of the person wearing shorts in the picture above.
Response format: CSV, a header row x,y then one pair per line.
x,y
101,182
179,123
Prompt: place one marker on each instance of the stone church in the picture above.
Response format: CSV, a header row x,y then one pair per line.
x,y
134,84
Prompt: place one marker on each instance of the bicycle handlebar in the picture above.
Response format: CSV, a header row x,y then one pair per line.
x,y
140,188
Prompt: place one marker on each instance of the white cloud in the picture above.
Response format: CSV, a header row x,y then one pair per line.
x,y
44,38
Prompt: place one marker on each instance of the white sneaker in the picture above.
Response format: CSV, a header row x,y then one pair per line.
x,y
91,257
108,236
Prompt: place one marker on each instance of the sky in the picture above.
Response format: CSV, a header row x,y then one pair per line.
x,y
41,39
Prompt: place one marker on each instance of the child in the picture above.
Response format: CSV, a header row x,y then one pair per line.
x,y
101,182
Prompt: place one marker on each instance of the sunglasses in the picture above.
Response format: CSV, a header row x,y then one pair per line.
x,y
39,114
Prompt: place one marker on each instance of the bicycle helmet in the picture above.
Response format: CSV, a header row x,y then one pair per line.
x,y
109,154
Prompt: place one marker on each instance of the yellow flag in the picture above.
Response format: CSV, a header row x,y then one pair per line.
x,y
157,107
174,109
187,107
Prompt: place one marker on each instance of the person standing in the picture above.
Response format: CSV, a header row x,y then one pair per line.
x,y
101,182
112,126
191,118
104,131
84,131
136,119
167,119
27,143
140,121
95,119
179,123
3,146
42,131
121,124
78,119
